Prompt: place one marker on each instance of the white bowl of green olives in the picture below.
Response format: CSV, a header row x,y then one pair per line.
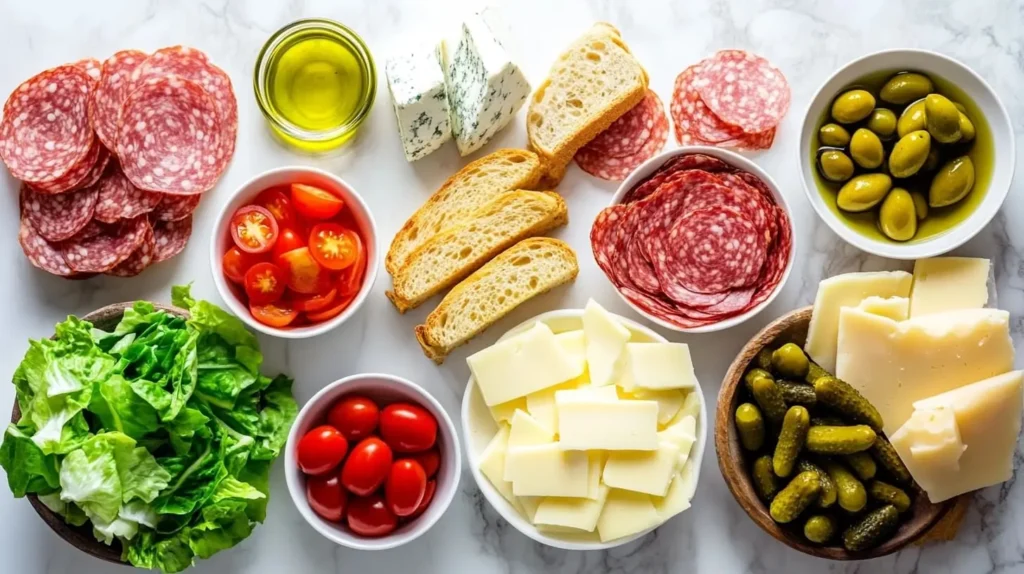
x,y
906,153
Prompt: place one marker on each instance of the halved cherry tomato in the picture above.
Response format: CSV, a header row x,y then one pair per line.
x,y
428,497
253,229
276,201
236,262
429,460
369,516
326,496
331,312
351,279
355,416
406,427
279,314
264,283
303,273
366,467
321,450
405,487
315,302
287,240
334,246
314,202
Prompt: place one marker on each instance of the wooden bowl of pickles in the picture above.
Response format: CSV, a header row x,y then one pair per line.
x,y
803,454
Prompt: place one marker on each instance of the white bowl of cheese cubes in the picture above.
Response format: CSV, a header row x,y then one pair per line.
x,y
584,430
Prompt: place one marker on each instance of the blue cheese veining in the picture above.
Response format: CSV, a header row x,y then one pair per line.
x,y
416,83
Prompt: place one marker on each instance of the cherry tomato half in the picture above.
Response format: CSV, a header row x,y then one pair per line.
x,y
264,283
428,497
278,314
276,201
351,279
430,460
315,203
315,302
236,262
321,450
326,496
287,240
405,487
331,312
406,427
304,275
253,229
366,467
369,516
355,416
335,247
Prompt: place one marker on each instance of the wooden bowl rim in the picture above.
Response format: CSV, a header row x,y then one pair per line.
x,y
81,537
742,488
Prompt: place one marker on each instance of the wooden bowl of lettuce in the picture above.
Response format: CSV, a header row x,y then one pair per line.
x,y
144,433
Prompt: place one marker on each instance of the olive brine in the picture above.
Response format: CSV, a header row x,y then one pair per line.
x,y
816,452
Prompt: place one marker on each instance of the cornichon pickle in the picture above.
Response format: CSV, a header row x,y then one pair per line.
x,y
797,393
819,529
765,482
850,492
849,403
889,494
791,440
800,493
840,440
814,372
790,361
750,426
764,359
769,398
755,374
827,421
827,496
872,530
887,456
862,464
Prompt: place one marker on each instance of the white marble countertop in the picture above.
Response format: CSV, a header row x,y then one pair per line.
x,y
807,39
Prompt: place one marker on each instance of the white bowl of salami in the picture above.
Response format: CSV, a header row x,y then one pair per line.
x,y
697,239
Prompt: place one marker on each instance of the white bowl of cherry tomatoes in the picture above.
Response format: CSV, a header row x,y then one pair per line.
x,y
294,252
372,461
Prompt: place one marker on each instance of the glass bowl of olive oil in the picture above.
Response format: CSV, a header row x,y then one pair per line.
x,y
315,82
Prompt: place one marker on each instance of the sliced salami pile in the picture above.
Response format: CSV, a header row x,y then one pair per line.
x,y
631,140
114,156
733,99
695,243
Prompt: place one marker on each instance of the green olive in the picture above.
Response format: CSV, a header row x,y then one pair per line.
x,y
883,122
934,159
966,128
920,204
906,87
910,154
853,106
835,165
833,135
942,117
897,218
863,192
866,149
912,119
952,183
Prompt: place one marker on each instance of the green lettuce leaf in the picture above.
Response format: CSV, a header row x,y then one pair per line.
x,y
120,408
149,550
89,478
29,470
208,318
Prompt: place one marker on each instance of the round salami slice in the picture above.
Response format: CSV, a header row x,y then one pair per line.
x,y
111,90
170,237
97,170
628,134
45,130
169,137
92,68
733,193
120,199
618,168
106,250
140,260
91,229
601,238
40,252
778,259
76,177
744,90
175,207
58,217
695,123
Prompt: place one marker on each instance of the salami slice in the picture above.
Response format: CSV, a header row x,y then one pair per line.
x,y
97,170
628,134
618,168
140,259
58,217
111,90
120,199
169,137
106,250
40,252
170,237
733,193
695,123
680,163
74,178
92,68
175,207
91,229
45,130
744,90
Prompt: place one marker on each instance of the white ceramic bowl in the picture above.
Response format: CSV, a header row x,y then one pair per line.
x,y
479,428
384,389
736,160
946,68
221,242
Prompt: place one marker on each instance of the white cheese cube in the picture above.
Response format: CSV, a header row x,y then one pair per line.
x,y
649,472
578,513
669,402
520,365
525,431
548,470
621,425
674,501
895,308
416,84
503,413
658,366
606,341
948,283
626,513
492,463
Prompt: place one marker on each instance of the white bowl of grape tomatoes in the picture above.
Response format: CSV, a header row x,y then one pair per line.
x,y
372,461
697,239
293,252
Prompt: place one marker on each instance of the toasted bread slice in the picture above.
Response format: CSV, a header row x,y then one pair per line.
x,y
450,256
463,193
591,85
527,269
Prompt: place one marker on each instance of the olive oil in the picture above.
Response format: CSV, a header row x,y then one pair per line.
x,y
939,220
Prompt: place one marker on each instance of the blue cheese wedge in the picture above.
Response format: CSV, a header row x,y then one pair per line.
x,y
485,88
416,83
